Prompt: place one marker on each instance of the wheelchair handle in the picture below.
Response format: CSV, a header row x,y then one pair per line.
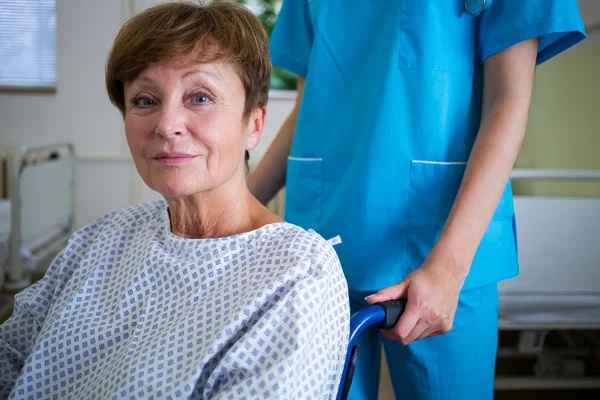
x,y
393,311
382,315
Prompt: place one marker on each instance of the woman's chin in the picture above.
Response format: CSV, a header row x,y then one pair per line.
x,y
170,192
173,189
174,183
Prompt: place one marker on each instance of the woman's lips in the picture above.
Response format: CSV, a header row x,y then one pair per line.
x,y
173,159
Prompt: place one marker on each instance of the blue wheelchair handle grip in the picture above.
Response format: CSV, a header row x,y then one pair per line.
x,y
382,315
393,311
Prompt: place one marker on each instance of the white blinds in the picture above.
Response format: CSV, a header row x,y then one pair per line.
x,y
27,43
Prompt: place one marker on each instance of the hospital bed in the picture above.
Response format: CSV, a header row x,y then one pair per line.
x,y
36,209
557,289
559,258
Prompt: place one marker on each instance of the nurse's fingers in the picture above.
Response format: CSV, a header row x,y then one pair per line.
x,y
407,323
420,328
435,331
430,332
394,292
431,327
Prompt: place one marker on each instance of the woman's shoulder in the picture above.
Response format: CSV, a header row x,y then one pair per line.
x,y
299,237
284,235
300,246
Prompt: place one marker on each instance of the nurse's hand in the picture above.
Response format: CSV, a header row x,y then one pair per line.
x,y
432,297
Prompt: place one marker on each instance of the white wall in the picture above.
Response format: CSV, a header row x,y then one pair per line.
x,y
80,111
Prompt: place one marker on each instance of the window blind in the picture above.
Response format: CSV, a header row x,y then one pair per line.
x,y
28,43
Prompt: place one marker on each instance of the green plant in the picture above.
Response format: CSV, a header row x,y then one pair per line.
x,y
266,11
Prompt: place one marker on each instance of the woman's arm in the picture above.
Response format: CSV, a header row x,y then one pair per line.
x,y
433,289
269,176
19,333
294,346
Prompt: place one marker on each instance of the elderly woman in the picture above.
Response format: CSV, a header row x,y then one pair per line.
x,y
206,294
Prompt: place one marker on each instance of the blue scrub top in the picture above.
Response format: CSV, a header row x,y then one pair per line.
x,y
390,112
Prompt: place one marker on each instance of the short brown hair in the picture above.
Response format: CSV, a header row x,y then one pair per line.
x,y
217,31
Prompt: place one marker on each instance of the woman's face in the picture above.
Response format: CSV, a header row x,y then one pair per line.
x,y
185,128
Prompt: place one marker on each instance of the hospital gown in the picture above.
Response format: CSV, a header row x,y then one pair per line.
x,y
129,310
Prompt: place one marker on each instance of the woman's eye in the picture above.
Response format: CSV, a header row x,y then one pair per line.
x,y
199,99
143,102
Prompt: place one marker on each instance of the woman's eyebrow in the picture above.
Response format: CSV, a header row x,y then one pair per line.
x,y
144,78
209,75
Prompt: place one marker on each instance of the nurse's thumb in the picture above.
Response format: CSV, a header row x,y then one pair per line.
x,y
394,292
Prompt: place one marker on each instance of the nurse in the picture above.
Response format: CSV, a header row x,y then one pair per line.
x,y
408,120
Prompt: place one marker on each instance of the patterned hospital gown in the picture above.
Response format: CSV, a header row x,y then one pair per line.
x,y
130,311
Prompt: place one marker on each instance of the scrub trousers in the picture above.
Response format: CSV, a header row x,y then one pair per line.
x,y
457,365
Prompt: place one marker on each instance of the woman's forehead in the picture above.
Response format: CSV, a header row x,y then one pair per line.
x,y
186,68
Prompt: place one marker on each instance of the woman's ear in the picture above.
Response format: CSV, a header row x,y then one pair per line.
x,y
256,124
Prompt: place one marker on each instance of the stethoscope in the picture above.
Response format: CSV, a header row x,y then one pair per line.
x,y
475,7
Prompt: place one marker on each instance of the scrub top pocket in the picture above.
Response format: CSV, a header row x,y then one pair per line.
x,y
437,35
433,189
303,200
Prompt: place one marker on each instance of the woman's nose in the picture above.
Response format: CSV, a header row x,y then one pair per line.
x,y
171,122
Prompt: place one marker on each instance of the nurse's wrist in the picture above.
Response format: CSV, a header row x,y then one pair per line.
x,y
453,255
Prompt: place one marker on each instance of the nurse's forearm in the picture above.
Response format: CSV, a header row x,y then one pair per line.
x,y
484,181
269,176
507,93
